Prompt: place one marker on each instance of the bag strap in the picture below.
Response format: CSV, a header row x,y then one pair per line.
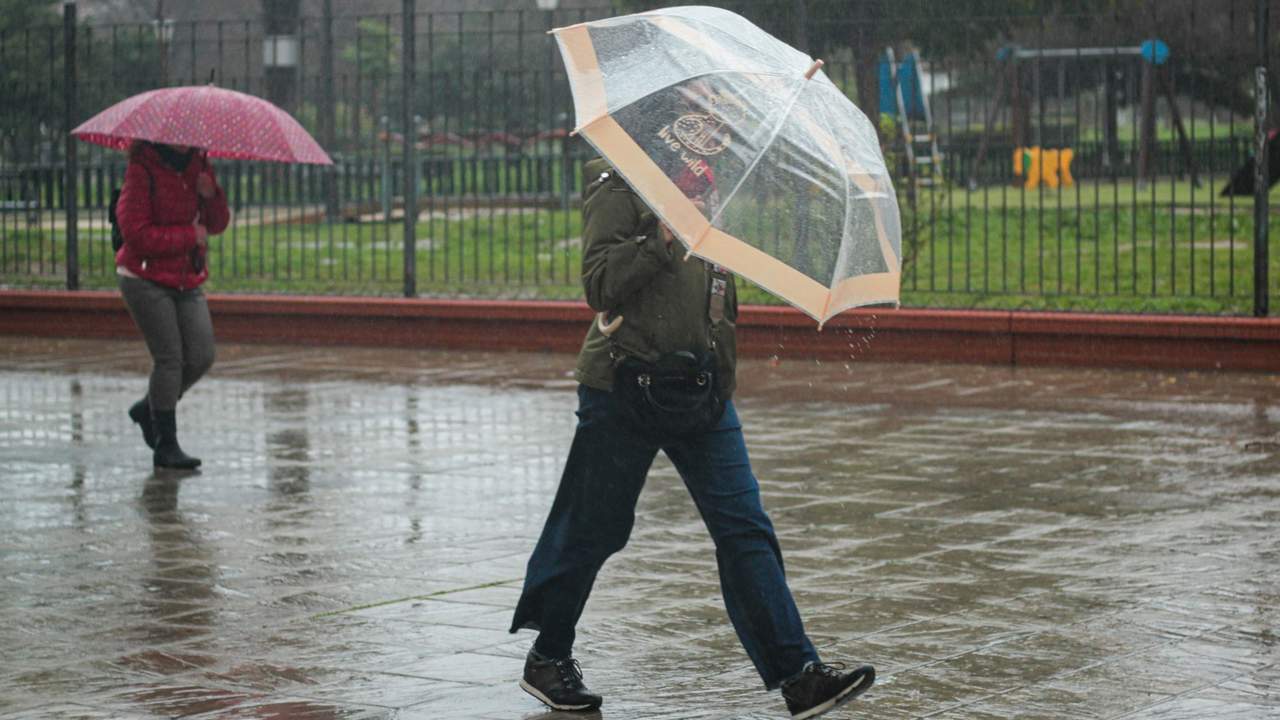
x,y
717,296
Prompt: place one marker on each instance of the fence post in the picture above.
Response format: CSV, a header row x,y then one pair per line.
x,y
384,123
70,166
410,125
1261,236
328,131
546,170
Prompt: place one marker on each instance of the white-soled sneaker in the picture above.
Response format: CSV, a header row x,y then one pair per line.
x,y
821,688
557,683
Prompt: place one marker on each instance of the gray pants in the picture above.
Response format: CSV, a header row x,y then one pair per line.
x,y
179,334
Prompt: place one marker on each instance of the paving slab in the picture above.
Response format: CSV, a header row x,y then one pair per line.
x,y
999,542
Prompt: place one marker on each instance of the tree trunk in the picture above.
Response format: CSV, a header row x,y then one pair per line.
x,y
866,57
800,8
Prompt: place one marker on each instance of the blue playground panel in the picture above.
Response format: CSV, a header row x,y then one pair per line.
x,y
909,79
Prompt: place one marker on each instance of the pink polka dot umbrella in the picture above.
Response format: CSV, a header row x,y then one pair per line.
x,y
226,123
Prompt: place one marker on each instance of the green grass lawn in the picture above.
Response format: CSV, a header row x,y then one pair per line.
x,y
1117,260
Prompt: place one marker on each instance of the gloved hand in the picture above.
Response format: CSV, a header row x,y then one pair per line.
x,y
648,225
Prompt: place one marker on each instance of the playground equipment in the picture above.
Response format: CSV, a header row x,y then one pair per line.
x,y
901,88
1044,165
1154,55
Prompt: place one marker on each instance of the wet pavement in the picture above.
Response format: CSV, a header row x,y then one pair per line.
x,y
1000,543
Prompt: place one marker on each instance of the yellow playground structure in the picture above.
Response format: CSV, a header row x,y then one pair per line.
x,y
1051,166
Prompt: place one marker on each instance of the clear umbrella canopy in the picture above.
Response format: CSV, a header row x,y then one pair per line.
x,y
746,149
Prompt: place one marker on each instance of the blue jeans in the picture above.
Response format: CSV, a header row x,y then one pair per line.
x,y
594,511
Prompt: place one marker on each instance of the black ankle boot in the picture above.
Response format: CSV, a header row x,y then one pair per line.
x,y
140,413
168,453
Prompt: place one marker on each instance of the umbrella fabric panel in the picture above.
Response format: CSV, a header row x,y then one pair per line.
x,y
190,119
704,126
634,65
642,54
776,180
871,205
830,172
796,177
227,123
785,208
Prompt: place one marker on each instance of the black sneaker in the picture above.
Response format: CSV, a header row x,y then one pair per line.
x,y
821,687
557,683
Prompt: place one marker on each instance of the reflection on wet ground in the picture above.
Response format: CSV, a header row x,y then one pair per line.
x,y
1000,543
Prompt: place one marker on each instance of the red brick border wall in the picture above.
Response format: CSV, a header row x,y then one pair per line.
x,y
968,336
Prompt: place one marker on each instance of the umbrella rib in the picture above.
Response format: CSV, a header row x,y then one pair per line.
x,y
843,254
773,135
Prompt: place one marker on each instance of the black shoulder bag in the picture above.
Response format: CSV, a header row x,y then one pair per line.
x,y
678,396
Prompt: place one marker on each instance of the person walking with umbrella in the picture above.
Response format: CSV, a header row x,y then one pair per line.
x,y
168,207
718,136
664,340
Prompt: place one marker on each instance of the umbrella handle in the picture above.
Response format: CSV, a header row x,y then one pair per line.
x,y
609,328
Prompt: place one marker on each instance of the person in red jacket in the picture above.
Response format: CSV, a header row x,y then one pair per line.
x,y
169,205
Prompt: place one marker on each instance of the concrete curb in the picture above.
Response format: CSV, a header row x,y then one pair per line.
x,y
996,337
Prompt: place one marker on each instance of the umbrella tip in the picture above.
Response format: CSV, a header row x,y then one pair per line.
x,y
813,69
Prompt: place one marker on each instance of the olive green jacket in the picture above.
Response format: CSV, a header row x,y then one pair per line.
x,y
629,271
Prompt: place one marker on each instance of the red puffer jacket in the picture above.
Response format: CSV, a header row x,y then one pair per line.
x,y
157,210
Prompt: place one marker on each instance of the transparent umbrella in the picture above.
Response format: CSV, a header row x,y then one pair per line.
x,y
745,148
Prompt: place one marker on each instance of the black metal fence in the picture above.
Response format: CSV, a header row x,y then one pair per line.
x,y
1056,158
